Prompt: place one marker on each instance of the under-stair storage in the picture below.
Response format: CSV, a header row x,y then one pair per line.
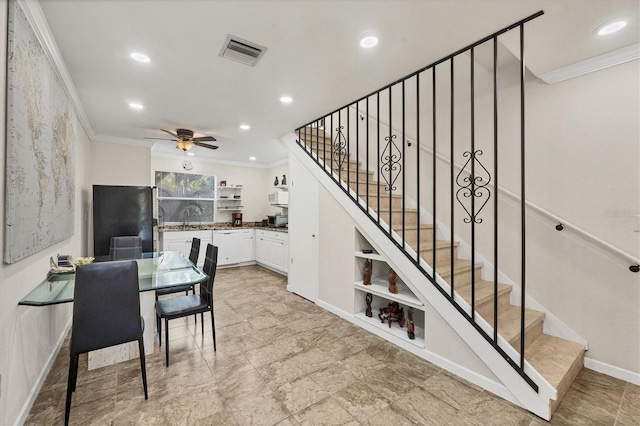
x,y
381,297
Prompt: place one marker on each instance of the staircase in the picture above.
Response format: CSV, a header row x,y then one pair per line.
x,y
556,359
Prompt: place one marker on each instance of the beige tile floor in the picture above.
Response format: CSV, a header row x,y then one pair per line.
x,y
283,361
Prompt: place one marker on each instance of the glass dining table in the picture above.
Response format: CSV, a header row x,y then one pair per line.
x,y
155,271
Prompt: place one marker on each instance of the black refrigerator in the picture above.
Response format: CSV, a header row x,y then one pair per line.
x,y
121,211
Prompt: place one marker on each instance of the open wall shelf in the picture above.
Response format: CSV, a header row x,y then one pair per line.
x,y
381,297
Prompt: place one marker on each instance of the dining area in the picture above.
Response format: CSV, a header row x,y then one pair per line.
x,y
122,302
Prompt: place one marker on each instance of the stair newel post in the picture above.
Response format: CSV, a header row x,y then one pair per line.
x,y
522,197
473,191
452,178
418,165
495,198
434,205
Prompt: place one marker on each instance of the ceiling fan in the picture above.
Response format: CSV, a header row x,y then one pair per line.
x,y
185,140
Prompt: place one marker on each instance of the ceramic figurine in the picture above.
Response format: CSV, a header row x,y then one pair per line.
x,y
284,179
275,182
393,287
369,300
366,272
411,328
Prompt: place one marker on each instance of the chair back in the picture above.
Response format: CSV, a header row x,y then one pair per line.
x,y
195,251
124,248
210,266
106,306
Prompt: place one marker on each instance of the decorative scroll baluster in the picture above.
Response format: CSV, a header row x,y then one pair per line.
x,y
473,186
390,163
339,148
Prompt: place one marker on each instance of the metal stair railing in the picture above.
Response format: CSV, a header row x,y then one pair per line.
x,y
332,139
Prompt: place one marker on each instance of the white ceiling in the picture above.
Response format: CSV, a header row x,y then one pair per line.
x,y
313,55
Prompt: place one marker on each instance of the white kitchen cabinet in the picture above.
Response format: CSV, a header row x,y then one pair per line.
x,y
181,241
272,249
247,245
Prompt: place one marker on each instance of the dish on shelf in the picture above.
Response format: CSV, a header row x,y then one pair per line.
x,y
82,260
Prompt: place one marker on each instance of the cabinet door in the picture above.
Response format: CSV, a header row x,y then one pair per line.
x,y
177,245
261,250
247,247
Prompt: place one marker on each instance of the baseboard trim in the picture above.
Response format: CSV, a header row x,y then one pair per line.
x,y
612,370
485,383
28,404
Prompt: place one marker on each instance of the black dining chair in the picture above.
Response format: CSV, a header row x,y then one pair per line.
x,y
125,248
106,312
179,307
193,257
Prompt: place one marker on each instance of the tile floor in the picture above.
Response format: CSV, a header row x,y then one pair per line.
x,y
283,361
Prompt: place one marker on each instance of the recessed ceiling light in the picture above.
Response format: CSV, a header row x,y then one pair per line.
x,y
140,57
368,41
252,158
136,106
245,126
286,99
611,27
190,153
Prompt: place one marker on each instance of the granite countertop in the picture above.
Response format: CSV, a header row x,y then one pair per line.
x,y
218,226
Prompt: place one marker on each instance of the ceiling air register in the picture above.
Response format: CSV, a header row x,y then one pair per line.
x,y
242,51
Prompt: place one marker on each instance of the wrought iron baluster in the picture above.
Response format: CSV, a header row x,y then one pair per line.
x,y
434,205
473,189
495,185
452,174
522,198
418,164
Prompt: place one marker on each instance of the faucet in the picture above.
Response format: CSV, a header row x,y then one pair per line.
x,y
185,219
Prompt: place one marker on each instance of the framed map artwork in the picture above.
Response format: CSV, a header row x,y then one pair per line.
x,y
40,156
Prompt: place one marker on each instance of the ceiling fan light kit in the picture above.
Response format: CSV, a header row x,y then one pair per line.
x,y
185,141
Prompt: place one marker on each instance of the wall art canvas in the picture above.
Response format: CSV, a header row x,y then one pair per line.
x,y
40,151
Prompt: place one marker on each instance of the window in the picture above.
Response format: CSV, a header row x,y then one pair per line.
x,y
185,198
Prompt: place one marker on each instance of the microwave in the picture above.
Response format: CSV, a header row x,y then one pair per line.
x,y
279,198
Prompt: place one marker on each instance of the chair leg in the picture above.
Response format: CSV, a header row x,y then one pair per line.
x,y
213,329
166,340
202,323
75,373
195,316
73,361
143,366
159,326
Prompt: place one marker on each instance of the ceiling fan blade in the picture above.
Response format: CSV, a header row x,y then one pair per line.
x,y
204,139
171,133
204,145
162,139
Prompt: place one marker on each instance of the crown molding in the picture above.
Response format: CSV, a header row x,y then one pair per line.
x,y
590,65
36,18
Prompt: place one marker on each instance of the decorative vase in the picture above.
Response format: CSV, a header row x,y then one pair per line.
x,y
411,328
284,179
366,272
369,300
275,182
393,287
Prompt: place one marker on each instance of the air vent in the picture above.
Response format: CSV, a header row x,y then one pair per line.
x,y
242,51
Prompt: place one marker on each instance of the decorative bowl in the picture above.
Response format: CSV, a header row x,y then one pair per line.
x,y
82,260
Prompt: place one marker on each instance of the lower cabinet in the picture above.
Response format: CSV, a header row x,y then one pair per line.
x,y
269,248
272,249
181,241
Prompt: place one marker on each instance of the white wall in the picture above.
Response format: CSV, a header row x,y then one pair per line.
x,y
29,335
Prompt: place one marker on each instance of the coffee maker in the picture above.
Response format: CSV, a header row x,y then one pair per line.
x,y
236,219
